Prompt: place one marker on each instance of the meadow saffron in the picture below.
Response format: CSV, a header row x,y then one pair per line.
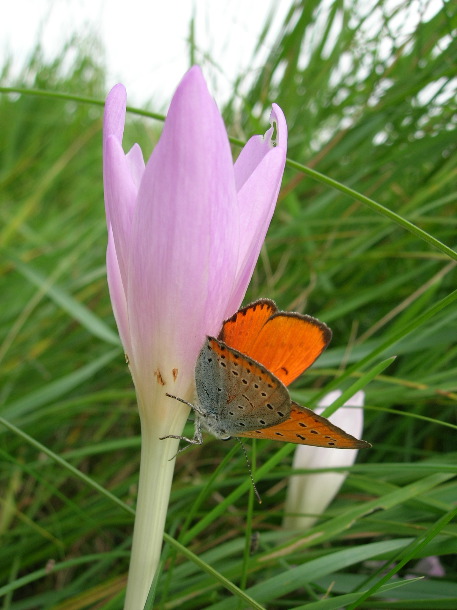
x,y
184,233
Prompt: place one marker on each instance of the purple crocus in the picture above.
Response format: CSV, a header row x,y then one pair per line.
x,y
184,234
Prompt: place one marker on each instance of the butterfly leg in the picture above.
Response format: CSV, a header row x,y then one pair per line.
x,y
197,440
189,404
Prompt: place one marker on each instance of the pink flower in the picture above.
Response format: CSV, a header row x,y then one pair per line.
x,y
184,234
185,231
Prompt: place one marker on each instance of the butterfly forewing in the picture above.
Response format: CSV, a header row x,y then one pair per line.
x,y
304,427
289,343
254,398
241,330
286,344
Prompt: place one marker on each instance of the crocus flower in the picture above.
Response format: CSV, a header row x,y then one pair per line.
x,y
428,566
308,495
184,234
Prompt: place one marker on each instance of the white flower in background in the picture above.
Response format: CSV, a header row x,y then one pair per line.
x,y
309,495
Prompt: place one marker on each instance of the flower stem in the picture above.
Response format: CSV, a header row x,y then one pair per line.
x,y
156,473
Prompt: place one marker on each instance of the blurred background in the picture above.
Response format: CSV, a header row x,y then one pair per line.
x,y
147,47
369,93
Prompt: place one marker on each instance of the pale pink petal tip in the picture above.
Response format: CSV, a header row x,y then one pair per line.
x,y
191,90
194,72
278,127
114,116
430,566
136,164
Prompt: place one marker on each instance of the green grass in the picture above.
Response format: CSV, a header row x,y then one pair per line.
x,y
363,238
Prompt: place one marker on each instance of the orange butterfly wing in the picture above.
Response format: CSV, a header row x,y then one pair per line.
x,y
304,427
285,343
241,330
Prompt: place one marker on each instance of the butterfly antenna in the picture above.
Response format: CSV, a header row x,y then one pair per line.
x,y
249,469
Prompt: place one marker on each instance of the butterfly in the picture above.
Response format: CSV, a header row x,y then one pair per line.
x,y
241,380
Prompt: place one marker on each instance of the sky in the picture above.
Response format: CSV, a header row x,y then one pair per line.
x,y
145,41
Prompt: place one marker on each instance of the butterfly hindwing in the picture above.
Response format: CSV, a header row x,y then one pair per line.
x,y
238,391
304,427
210,381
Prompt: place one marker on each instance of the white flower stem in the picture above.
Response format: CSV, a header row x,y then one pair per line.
x,y
156,473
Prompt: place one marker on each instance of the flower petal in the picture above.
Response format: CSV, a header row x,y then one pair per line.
x,y
117,293
120,200
136,163
358,400
258,147
114,115
184,247
258,174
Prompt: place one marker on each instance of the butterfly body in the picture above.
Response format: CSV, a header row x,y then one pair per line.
x,y
241,379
